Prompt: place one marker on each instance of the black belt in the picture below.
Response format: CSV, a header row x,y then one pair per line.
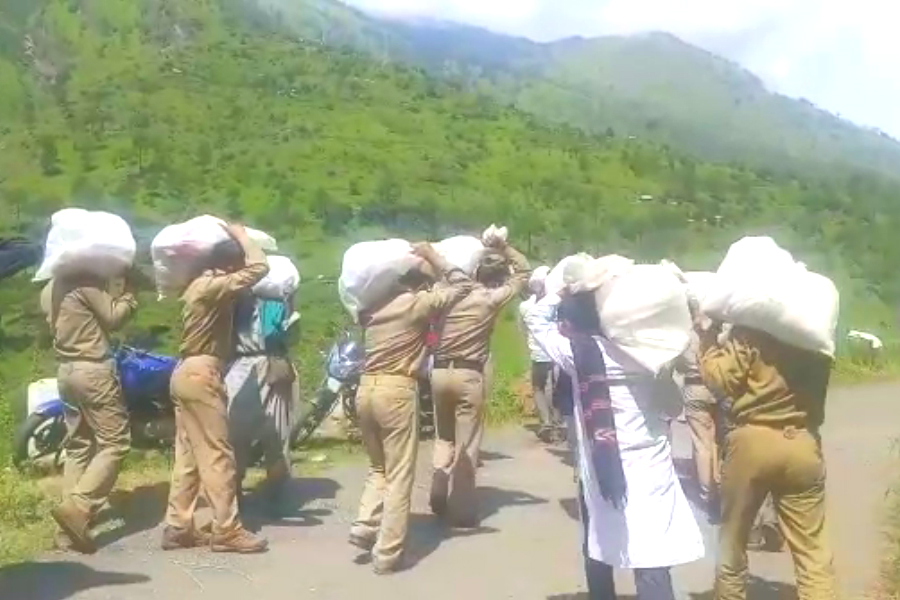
x,y
471,365
693,380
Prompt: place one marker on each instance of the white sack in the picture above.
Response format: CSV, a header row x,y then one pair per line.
x,y
462,251
644,311
590,275
759,285
262,239
370,271
282,280
698,282
82,241
555,281
180,251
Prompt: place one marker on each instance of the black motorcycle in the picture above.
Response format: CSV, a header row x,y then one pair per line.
x,y
343,368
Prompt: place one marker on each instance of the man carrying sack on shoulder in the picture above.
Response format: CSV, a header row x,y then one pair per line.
x,y
203,455
778,405
387,402
458,381
82,314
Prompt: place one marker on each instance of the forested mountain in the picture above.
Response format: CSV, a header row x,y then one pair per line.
x,y
165,109
654,86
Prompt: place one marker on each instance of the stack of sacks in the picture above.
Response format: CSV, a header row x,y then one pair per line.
x,y
91,242
759,285
180,251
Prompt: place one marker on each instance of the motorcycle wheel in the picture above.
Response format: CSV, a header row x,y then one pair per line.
x,y
309,419
38,437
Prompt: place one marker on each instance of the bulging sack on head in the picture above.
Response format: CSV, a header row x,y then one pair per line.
x,y
282,280
555,282
644,311
760,285
93,242
371,271
462,251
182,250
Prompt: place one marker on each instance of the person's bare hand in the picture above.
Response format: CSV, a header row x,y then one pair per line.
x,y
235,230
496,242
425,251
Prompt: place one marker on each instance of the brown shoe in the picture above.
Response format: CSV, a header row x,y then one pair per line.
x,y
363,542
76,525
175,538
239,541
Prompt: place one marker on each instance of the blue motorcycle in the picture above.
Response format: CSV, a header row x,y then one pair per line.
x,y
144,377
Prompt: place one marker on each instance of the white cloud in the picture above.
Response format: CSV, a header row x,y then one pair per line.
x,y
839,54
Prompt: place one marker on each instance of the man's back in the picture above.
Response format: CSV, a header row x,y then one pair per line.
x,y
770,382
466,329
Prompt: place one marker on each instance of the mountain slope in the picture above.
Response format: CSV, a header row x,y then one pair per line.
x,y
652,85
164,109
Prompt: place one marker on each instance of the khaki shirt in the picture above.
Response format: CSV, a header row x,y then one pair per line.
x,y
81,315
768,382
395,333
467,328
209,301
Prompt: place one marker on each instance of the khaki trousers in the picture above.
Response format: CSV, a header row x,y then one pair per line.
x,y
459,420
788,464
203,453
98,432
700,413
387,407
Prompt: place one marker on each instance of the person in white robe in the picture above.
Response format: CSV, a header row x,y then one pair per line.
x,y
654,528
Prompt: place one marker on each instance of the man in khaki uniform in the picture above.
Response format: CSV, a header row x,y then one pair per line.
x,y
778,394
81,314
460,379
700,409
387,405
203,454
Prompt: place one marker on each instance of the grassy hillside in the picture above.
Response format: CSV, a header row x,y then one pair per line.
x,y
164,109
653,86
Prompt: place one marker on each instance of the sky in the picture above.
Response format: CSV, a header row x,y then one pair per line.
x,y
843,55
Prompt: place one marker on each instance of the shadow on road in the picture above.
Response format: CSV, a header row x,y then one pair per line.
x,y
427,532
571,508
758,589
487,455
292,508
57,580
139,509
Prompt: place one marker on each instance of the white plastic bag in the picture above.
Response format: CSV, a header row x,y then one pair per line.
x,y
555,281
282,280
262,239
462,251
179,251
644,311
589,275
82,241
760,285
370,271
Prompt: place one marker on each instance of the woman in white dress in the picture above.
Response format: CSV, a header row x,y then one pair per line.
x,y
634,512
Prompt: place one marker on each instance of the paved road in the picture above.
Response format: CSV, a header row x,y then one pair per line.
x,y
527,548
